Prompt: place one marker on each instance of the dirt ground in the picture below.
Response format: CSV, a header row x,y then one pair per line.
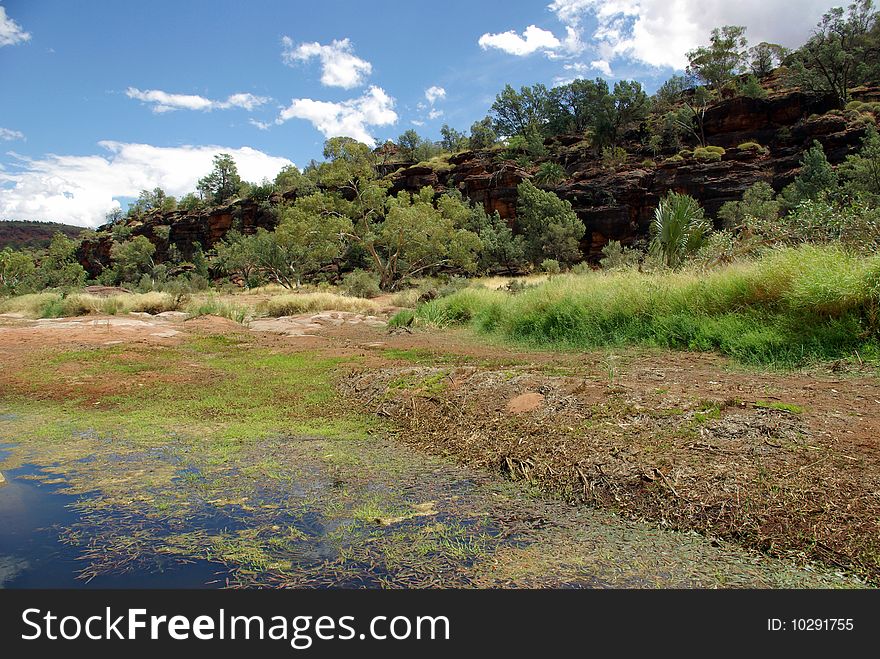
x,y
783,462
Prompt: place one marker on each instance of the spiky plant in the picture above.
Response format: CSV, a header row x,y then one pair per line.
x,y
550,173
678,229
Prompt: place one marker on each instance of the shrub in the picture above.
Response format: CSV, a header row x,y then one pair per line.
x,y
550,266
708,153
753,146
757,210
613,157
752,88
617,257
408,298
720,247
361,283
649,164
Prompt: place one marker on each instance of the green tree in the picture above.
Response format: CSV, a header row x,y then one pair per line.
x,y
350,173
223,183
416,148
841,53
152,200
291,180
16,272
861,171
190,202
237,255
690,117
518,113
114,216
670,92
724,57
765,57
416,237
626,105
678,228
752,88
59,267
452,140
816,176
483,136
499,247
573,108
550,228
408,143
132,258
304,241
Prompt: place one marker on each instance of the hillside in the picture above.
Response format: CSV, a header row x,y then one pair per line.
x,y
22,234
759,139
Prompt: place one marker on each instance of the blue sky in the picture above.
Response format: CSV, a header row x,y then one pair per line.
x,y
102,99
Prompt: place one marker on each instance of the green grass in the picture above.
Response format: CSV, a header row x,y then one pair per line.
x,y
782,407
243,394
791,307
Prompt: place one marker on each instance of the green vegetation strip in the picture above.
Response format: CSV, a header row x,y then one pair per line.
x,y
790,307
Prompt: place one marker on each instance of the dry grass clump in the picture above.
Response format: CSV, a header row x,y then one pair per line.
x,y
297,303
54,305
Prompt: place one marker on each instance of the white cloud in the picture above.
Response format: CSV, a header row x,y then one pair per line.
x,y
660,32
575,70
245,101
434,94
8,135
11,33
165,102
350,118
262,125
603,66
340,67
435,114
81,190
533,39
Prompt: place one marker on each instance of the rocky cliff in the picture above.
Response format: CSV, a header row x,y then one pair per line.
x,y
185,230
614,204
617,204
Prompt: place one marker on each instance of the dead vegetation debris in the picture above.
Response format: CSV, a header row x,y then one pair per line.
x,y
760,477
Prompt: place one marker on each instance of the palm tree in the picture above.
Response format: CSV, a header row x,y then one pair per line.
x,y
678,229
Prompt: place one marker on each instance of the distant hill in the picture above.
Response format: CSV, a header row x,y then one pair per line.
x,y
18,234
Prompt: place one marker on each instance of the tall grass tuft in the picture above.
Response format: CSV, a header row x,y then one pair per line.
x,y
214,306
790,307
